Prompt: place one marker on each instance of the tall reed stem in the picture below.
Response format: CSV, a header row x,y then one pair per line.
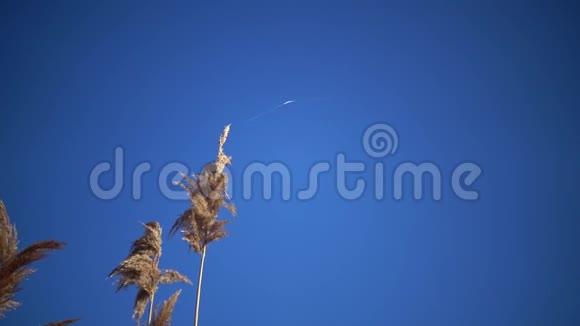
x,y
152,296
151,308
199,285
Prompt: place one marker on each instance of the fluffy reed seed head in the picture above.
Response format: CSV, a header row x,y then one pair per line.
x,y
222,159
63,322
207,194
163,314
14,264
141,269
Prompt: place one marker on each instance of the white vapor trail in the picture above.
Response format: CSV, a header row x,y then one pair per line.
x,y
271,110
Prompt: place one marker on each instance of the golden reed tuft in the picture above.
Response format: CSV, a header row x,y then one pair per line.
x,y
14,264
199,224
141,269
63,322
163,314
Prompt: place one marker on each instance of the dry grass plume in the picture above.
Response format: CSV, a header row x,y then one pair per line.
x,y
199,224
63,322
163,314
207,195
14,264
141,269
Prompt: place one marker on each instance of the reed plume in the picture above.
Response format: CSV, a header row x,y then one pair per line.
x,y
163,314
141,269
207,195
14,264
63,323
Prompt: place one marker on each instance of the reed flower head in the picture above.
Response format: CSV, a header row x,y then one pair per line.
x,y
207,194
163,314
141,269
63,323
14,264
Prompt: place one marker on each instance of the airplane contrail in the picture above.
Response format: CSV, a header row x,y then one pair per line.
x,y
287,102
271,110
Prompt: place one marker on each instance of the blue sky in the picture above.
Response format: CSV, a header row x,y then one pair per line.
x,y
494,84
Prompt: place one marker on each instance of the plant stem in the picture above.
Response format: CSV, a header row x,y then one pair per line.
x,y
152,296
151,308
199,285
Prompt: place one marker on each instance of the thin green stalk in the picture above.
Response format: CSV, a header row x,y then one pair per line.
x,y
199,285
